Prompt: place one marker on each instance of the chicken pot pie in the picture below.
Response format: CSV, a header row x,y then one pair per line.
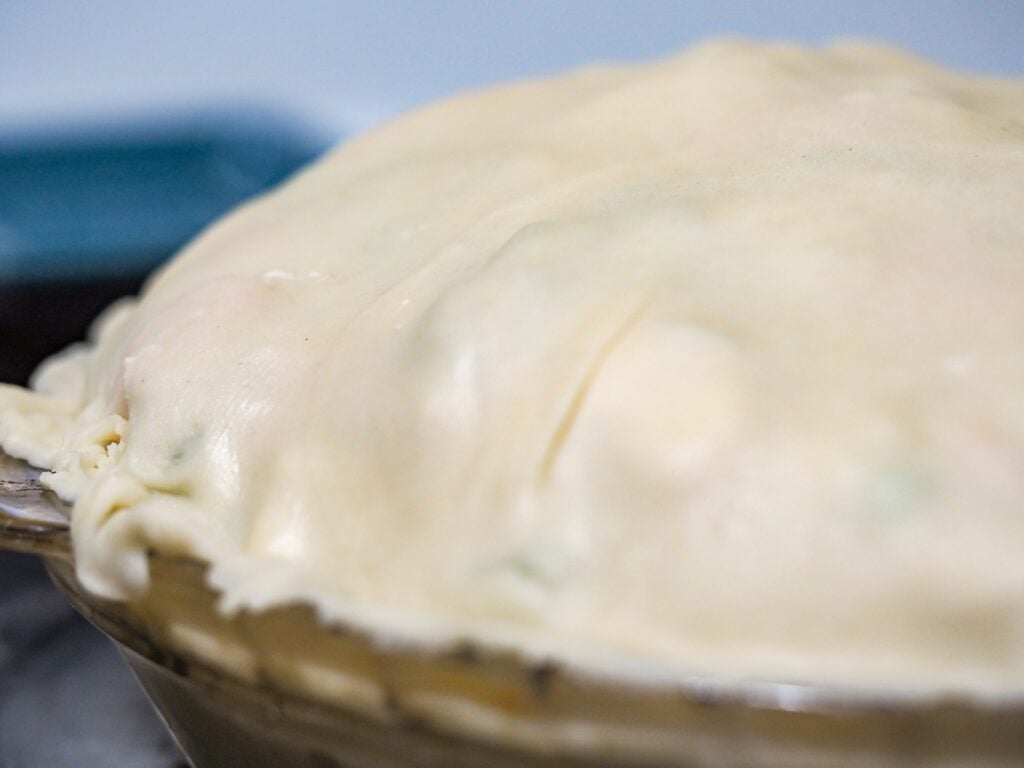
x,y
708,366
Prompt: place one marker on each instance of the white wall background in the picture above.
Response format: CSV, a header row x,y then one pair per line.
x,y
346,64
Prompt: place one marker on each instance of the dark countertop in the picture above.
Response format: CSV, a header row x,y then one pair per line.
x,y
67,698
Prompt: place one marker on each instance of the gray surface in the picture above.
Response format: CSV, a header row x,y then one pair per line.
x,y
67,699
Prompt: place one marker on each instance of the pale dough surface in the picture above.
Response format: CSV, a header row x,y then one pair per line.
x,y
714,364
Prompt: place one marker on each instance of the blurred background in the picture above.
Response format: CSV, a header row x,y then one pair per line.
x,y
126,126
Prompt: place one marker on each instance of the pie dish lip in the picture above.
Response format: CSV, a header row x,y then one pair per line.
x,y
34,530
753,709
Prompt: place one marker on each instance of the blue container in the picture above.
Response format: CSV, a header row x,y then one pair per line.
x,y
86,215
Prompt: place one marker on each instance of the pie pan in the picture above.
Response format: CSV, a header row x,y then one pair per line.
x,y
281,688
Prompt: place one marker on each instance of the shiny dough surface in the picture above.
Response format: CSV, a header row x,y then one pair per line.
x,y
714,364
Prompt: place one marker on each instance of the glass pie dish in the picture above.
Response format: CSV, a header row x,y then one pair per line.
x,y
280,688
